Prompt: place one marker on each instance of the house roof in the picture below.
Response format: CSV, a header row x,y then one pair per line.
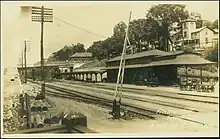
x,y
93,64
186,59
198,29
141,54
76,55
188,20
202,28
216,30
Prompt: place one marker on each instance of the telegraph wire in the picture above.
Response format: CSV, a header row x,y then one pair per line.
x,y
80,28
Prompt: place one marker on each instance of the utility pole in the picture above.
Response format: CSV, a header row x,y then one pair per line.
x,y
41,14
41,45
42,53
25,60
22,67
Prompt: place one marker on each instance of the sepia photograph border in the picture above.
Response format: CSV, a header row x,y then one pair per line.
x,y
99,135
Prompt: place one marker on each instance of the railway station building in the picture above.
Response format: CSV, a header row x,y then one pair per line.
x,y
139,67
154,64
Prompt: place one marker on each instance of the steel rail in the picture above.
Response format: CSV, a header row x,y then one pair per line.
x,y
138,110
185,107
140,91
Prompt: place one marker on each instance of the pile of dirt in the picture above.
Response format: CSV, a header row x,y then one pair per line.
x,y
11,118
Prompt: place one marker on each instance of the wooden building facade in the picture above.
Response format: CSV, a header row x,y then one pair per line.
x,y
153,65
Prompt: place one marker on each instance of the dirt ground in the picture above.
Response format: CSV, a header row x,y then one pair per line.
x,y
99,120
12,89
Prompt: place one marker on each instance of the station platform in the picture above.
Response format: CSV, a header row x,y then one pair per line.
x,y
169,89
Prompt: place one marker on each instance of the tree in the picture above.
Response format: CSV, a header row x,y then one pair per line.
x,y
64,53
215,24
213,56
195,16
97,50
166,15
111,46
119,30
199,23
198,18
116,42
78,48
207,23
142,32
137,32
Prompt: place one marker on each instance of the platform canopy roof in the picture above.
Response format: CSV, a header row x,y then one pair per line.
x,y
141,54
155,52
91,67
94,63
79,55
184,59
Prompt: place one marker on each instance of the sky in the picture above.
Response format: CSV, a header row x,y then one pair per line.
x,y
98,17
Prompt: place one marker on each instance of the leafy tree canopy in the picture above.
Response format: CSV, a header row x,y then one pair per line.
x,y
67,51
166,15
153,29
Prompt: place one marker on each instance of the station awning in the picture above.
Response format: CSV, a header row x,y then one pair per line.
x,y
90,70
179,60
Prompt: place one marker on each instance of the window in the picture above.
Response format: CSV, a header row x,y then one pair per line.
x,y
192,25
184,25
185,35
206,40
206,32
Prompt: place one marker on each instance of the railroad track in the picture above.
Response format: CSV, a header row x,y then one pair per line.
x,y
64,92
180,96
79,96
152,98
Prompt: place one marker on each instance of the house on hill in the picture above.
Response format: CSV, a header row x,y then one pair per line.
x,y
197,38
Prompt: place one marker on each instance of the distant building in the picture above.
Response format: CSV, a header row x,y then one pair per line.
x,y
215,37
197,38
81,57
